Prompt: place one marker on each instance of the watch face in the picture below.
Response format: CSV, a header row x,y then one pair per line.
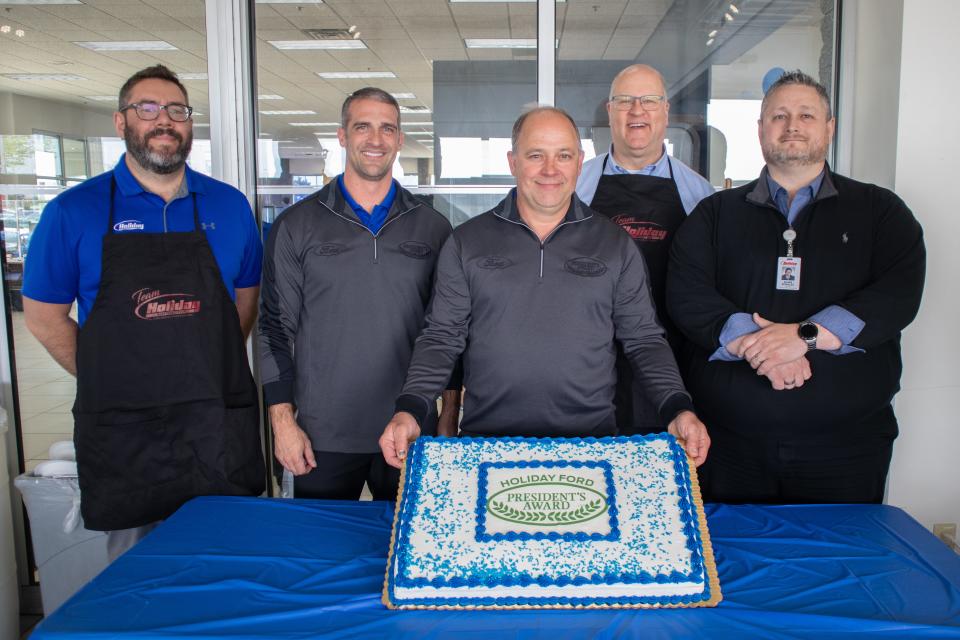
x,y
808,331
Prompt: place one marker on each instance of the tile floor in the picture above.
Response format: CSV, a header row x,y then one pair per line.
x,y
46,395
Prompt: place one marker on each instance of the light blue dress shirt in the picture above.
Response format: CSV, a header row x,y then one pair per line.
x,y
692,186
834,319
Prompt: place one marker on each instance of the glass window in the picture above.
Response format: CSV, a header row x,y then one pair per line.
x,y
461,72
714,58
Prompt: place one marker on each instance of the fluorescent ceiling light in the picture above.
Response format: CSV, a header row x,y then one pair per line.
x,y
314,124
501,43
289,112
419,124
404,109
201,124
269,96
62,77
101,98
345,75
305,45
128,45
20,2
403,96
192,76
420,133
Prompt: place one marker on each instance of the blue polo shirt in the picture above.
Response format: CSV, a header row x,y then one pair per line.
x,y
372,220
63,261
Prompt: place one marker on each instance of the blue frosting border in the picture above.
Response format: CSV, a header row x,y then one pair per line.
x,y
688,517
579,536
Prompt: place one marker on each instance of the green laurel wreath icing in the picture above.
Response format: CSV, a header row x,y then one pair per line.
x,y
584,512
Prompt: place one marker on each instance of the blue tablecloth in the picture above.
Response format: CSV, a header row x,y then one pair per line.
x,y
270,568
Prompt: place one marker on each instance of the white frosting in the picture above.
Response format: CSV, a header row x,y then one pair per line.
x,y
442,540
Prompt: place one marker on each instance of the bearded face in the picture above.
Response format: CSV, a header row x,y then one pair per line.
x,y
795,127
161,149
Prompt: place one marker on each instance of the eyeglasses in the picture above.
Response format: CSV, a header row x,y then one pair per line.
x,y
151,110
625,103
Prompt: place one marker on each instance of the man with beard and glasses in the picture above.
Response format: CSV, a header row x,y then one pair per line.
x,y
793,291
347,274
164,266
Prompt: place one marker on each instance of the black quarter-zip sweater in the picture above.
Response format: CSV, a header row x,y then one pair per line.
x,y
536,323
861,249
340,310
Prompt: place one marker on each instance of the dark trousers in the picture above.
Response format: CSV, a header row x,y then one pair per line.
x,y
820,470
340,476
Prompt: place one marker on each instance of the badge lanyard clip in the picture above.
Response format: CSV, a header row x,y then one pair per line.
x,y
788,267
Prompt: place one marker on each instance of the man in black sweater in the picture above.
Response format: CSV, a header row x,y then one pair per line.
x,y
793,290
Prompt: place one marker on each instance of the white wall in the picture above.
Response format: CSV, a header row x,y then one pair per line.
x,y
925,474
23,114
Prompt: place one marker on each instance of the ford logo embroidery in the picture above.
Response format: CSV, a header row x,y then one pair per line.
x,y
414,249
329,249
586,267
494,262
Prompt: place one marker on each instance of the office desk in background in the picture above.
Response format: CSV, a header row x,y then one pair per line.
x,y
270,568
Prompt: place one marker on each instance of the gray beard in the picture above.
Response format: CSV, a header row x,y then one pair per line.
x,y
152,161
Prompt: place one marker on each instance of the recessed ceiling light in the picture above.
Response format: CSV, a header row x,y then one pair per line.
x,y
128,45
712,34
192,76
269,96
501,43
314,124
101,98
305,45
289,112
345,75
403,96
709,42
62,77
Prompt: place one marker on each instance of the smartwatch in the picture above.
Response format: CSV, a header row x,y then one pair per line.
x,y
808,332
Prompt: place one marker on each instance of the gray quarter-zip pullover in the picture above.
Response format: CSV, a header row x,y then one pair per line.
x,y
340,310
536,323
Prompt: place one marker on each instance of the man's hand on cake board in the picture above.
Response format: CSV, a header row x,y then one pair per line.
x,y
692,434
400,432
291,444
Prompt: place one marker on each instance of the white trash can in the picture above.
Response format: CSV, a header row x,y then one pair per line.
x,y
67,554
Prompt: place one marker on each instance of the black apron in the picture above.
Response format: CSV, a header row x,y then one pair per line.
x,y
650,210
166,407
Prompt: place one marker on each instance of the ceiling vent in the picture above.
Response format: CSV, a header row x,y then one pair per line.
x,y
328,34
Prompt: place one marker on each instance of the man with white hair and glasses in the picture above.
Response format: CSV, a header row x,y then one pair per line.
x,y
648,193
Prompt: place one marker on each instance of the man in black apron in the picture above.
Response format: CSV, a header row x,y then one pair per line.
x,y
648,193
166,407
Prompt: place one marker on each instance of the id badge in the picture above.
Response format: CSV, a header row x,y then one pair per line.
x,y
788,274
